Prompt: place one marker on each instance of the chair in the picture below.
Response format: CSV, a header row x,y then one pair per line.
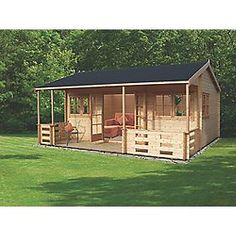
x,y
69,129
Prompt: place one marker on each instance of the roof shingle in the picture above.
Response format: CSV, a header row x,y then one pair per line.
x,y
160,73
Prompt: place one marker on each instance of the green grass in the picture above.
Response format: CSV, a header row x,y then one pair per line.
x,y
34,176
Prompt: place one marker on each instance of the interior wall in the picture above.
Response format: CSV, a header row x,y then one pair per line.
x,y
113,104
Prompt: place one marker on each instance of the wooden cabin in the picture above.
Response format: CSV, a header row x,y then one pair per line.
x,y
167,111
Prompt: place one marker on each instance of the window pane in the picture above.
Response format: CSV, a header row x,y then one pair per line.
x,y
74,105
180,105
159,105
85,105
205,104
167,105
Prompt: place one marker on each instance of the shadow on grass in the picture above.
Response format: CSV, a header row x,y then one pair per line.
x,y
206,182
20,135
20,157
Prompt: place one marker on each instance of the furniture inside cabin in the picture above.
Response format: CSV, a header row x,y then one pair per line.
x,y
113,127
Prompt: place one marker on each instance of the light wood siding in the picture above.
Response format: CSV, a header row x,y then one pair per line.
x,y
210,125
170,123
113,104
83,124
154,143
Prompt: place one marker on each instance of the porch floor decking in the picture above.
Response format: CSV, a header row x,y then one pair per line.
x,y
103,146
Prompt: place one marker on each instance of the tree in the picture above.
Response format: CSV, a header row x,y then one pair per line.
x,y
30,58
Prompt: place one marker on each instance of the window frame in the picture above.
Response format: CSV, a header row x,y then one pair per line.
x,y
80,105
173,105
163,105
205,105
75,105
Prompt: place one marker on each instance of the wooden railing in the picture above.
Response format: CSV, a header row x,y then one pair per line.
x,y
45,134
50,134
193,141
60,132
154,143
140,142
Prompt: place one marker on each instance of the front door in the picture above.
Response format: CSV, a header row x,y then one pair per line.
x,y
97,103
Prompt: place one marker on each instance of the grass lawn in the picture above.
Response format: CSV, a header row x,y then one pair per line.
x,y
34,176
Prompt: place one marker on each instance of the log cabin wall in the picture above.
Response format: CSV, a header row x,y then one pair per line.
x,y
83,124
210,123
170,123
113,104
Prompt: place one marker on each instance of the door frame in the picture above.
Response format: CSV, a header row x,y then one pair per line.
x,y
144,107
97,136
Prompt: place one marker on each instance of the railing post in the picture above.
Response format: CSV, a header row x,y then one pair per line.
x,y
52,134
39,133
185,146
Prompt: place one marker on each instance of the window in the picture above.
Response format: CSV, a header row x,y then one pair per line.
x,y
79,105
180,105
163,105
170,105
74,105
159,105
205,105
85,104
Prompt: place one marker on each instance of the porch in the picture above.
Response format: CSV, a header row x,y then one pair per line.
x,y
172,145
161,128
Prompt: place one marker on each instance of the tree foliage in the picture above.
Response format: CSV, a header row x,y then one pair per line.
x,y
30,58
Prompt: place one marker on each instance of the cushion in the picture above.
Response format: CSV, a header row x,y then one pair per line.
x,y
111,122
69,128
112,131
117,115
120,120
130,119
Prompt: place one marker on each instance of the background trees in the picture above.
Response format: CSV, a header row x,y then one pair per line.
x,y
31,58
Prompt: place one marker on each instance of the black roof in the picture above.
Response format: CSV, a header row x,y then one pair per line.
x,y
160,73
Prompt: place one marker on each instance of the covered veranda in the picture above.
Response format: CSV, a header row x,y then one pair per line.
x,y
152,134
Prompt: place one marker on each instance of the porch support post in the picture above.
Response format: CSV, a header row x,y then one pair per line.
x,y
65,106
187,121
52,128
124,138
68,106
38,107
52,108
38,117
